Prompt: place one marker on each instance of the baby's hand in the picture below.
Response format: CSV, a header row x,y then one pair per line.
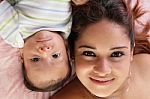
x,y
79,2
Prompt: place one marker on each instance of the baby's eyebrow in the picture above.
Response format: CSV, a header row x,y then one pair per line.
x,y
86,46
119,47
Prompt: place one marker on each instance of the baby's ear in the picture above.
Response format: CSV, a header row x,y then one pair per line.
x,y
21,54
66,43
68,50
79,2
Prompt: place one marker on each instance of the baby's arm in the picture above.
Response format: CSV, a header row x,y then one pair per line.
x,y
9,24
79,2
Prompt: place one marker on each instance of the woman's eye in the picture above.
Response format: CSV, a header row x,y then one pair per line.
x,y
35,59
117,54
89,53
56,55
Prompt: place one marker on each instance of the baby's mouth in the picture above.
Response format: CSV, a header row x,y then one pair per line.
x,y
43,40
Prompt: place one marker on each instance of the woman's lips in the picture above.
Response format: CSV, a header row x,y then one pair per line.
x,y
102,81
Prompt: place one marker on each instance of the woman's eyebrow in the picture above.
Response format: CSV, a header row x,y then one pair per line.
x,y
119,47
86,46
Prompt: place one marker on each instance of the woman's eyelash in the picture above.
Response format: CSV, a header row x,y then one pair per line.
x,y
89,53
117,54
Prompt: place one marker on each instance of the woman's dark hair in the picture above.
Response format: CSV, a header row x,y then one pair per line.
x,y
142,45
94,11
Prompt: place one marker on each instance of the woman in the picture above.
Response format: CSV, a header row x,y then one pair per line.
x,y
102,46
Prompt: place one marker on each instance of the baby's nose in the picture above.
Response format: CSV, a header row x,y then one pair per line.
x,y
45,48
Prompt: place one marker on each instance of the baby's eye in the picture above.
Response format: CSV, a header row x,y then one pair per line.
x,y
117,54
89,53
35,59
56,55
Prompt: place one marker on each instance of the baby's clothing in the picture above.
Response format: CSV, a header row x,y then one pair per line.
x,y
22,18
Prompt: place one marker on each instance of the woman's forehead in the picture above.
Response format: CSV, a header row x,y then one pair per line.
x,y
104,28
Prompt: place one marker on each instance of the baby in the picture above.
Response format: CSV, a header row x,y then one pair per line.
x,y
39,28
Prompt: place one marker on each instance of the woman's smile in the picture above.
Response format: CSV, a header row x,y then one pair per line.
x,y
102,81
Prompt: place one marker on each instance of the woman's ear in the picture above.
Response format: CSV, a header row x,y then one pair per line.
x,y
79,2
21,54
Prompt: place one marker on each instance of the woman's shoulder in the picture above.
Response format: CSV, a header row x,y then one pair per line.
x,y
141,74
142,59
141,63
70,91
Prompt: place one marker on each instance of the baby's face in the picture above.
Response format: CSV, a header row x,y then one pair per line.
x,y
45,59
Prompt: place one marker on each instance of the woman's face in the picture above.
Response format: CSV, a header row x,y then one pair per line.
x,y
102,57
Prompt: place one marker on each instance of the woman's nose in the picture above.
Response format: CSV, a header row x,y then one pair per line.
x,y
102,68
